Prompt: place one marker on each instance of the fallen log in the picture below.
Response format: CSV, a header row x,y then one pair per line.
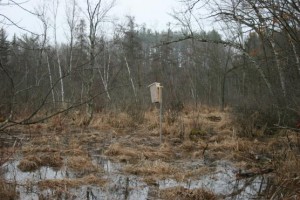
x,y
252,173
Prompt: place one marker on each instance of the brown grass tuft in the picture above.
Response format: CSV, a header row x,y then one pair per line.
x,y
151,168
29,164
202,133
154,153
166,149
7,190
56,184
181,193
121,152
119,120
57,123
74,152
38,149
201,171
54,160
81,164
188,146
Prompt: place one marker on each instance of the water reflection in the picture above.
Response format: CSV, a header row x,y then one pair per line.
x,y
13,173
119,186
223,183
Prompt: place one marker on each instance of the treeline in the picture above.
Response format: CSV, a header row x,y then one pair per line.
x,y
97,72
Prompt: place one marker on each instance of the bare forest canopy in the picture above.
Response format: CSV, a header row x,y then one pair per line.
x,y
254,68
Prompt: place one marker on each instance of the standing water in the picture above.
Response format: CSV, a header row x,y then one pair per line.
x,y
221,181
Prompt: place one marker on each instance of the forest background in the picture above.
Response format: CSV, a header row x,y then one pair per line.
x,y
252,66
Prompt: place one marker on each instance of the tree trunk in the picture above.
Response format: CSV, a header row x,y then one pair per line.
x,y
104,77
51,81
130,78
90,81
262,74
223,81
295,54
57,54
279,68
61,79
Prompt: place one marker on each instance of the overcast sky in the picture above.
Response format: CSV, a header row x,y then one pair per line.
x,y
153,13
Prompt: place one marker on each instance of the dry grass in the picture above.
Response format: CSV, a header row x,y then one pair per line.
x,y
287,164
54,144
7,190
122,153
284,187
57,184
119,120
198,133
38,149
40,140
57,123
181,193
215,134
197,172
232,144
74,152
286,183
49,151
81,164
151,168
138,152
73,147
152,120
31,163
6,153
53,160
166,150
150,153
188,146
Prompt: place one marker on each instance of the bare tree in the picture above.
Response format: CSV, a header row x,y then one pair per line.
x,y
96,12
55,5
42,16
71,10
276,59
130,78
233,14
105,68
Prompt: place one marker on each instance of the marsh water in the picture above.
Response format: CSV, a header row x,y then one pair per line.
x,y
221,181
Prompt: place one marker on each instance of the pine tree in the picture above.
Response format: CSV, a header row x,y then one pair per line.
x,y
4,47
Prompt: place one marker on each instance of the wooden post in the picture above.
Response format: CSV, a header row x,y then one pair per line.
x,y
156,97
160,120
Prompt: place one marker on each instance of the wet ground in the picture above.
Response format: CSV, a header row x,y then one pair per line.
x,y
221,181
120,163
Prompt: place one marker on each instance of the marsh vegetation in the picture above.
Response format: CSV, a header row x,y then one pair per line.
x,y
117,158
76,121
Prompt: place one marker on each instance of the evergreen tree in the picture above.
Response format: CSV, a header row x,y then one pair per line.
x,y
4,47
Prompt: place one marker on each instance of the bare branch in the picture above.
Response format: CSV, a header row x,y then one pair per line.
x,y
23,8
19,27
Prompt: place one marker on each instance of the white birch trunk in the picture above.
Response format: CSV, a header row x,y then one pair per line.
x,y
71,23
105,77
295,54
51,81
57,53
262,74
130,78
61,78
279,68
